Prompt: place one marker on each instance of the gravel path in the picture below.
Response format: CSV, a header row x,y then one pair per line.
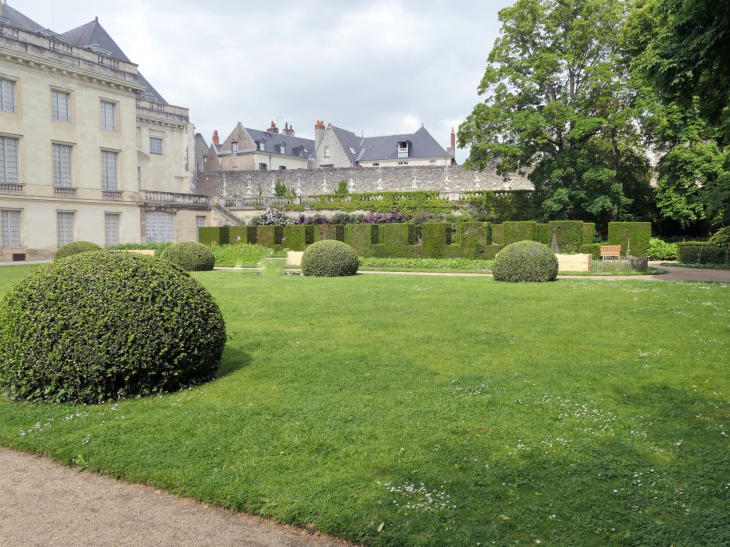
x,y
675,274
46,504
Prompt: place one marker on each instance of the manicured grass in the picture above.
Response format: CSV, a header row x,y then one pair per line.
x,y
572,413
427,264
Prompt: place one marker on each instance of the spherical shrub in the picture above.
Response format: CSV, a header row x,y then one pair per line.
x,y
100,326
525,261
75,248
329,258
190,256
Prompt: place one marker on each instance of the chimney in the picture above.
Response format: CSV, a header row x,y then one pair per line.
x,y
318,133
273,128
216,140
451,151
288,130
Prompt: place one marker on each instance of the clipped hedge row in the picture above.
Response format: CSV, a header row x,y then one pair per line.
x,y
568,233
632,236
512,232
476,240
703,253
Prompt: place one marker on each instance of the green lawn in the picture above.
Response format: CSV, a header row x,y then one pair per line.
x,y
453,411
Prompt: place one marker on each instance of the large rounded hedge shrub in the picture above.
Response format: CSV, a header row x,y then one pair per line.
x,y
190,256
525,261
100,326
77,247
329,258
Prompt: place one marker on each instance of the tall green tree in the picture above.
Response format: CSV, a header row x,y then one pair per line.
x,y
557,104
679,52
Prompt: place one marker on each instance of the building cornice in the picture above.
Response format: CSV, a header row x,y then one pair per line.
x,y
61,69
161,122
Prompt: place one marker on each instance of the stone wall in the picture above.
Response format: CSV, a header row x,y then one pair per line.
x,y
308,182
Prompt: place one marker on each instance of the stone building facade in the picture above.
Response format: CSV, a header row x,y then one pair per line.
x,y
90,151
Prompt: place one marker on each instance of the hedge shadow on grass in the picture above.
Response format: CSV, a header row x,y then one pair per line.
x,y
233,360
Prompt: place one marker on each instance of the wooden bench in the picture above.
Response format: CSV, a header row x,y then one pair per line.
x,y
610,251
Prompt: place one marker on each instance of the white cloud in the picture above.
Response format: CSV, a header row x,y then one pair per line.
x,y
378,67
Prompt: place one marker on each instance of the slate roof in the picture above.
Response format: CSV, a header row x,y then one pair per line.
x,y
93,33
422,145
273,139
17,19
350,142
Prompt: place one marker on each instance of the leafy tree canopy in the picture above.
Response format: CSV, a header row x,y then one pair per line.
x,y
678,52
557,104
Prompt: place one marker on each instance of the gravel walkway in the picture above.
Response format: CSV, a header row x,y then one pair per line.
x,y
46,504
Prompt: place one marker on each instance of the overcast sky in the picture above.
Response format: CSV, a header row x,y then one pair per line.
x,y
374,67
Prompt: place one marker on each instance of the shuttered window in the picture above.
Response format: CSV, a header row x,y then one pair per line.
x,y
7,96
59,106
8,160
62,166
112,230
199,223
10,228
155,146
65,228
108,170
158,226
108,113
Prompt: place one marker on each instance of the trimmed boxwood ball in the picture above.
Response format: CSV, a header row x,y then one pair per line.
x,y
190,256
329,258
525,261
75,248
100,326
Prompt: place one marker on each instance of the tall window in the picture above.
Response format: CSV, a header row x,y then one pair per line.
x,y
326,151
112,230
62,165
234,147
10,228
108,170
59,106
65,228
282,149
155,145
108,114
7,96
262,145
199,223
8,159
158,226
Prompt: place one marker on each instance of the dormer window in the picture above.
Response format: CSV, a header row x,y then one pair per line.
x,y
282,149
403,149
234,147
262,145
